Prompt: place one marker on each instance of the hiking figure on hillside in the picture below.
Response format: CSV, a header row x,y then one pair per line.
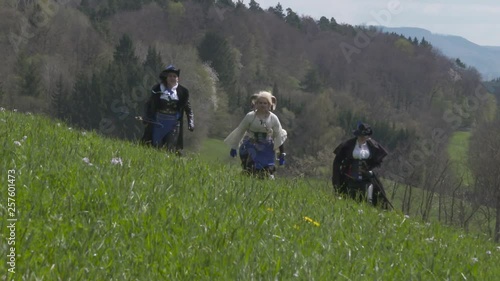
x,y
164,112
353,166
281,150
258,136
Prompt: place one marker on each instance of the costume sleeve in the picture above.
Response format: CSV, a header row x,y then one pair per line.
x,y
149,113
379,153
234,138
189,111
279,134
337,161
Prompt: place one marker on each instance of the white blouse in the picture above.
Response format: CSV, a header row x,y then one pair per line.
x,y
253,124
361,151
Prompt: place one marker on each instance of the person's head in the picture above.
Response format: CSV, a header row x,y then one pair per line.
x,y
264,101
363,131
170,76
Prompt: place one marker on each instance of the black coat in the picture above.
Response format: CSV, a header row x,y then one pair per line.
x,y
343,158
182,106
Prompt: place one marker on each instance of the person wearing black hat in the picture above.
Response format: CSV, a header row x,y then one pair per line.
x,y
353,166
165,110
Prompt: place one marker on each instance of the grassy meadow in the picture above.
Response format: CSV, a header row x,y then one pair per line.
x,y
92,208
457,149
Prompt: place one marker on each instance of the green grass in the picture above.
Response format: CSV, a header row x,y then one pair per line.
x,y
214,149
159,217
458,151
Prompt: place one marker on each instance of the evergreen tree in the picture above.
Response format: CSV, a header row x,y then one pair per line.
x,y
118,87
324,24
424,43
124,53
81,102
153,65
217,51
278,11
459,63
254,6
28,71
312,82
333,23
58,100
292,18
240,5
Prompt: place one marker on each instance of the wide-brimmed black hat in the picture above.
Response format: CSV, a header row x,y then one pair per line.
x,y
169,69
363,129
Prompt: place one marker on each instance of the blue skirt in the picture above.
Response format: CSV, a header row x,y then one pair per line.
x,y
260,152
165,128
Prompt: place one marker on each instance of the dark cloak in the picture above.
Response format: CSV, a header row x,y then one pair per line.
x,y
183,106
343,159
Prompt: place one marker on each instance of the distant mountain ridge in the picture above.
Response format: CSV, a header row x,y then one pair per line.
x,y
486,59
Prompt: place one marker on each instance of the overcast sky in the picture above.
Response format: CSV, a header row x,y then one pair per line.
x,y
476,21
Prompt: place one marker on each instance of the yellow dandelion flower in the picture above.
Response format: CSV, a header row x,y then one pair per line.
x,y
270,209
308,219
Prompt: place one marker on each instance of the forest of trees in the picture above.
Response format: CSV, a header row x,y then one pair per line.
x,y
91,63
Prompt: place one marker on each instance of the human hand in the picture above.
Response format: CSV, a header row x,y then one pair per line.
x,y
282,159
232,152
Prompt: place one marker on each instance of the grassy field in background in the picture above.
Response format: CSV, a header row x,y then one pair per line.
x,y
458,151
91,208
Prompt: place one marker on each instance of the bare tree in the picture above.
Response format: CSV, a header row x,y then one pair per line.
x,y
484,160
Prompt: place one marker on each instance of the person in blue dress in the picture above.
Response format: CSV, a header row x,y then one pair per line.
x,y
168,103
258,136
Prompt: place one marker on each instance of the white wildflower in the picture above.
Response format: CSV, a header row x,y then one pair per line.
x,y
2,109
84,133
498,248
29,113
360,212
474,260
58,124
117,161
407,217
24,138
15,110
430,239
17,143
87,161
488,252
69,128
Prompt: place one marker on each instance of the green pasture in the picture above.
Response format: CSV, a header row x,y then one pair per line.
x,y
458,151
92,208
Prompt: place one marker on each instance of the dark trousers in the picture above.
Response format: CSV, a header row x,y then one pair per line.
x,y
359,191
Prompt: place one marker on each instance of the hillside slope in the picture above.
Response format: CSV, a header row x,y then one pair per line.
x,y
93,208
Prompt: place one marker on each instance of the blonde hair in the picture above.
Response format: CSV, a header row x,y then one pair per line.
x,y
266,95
